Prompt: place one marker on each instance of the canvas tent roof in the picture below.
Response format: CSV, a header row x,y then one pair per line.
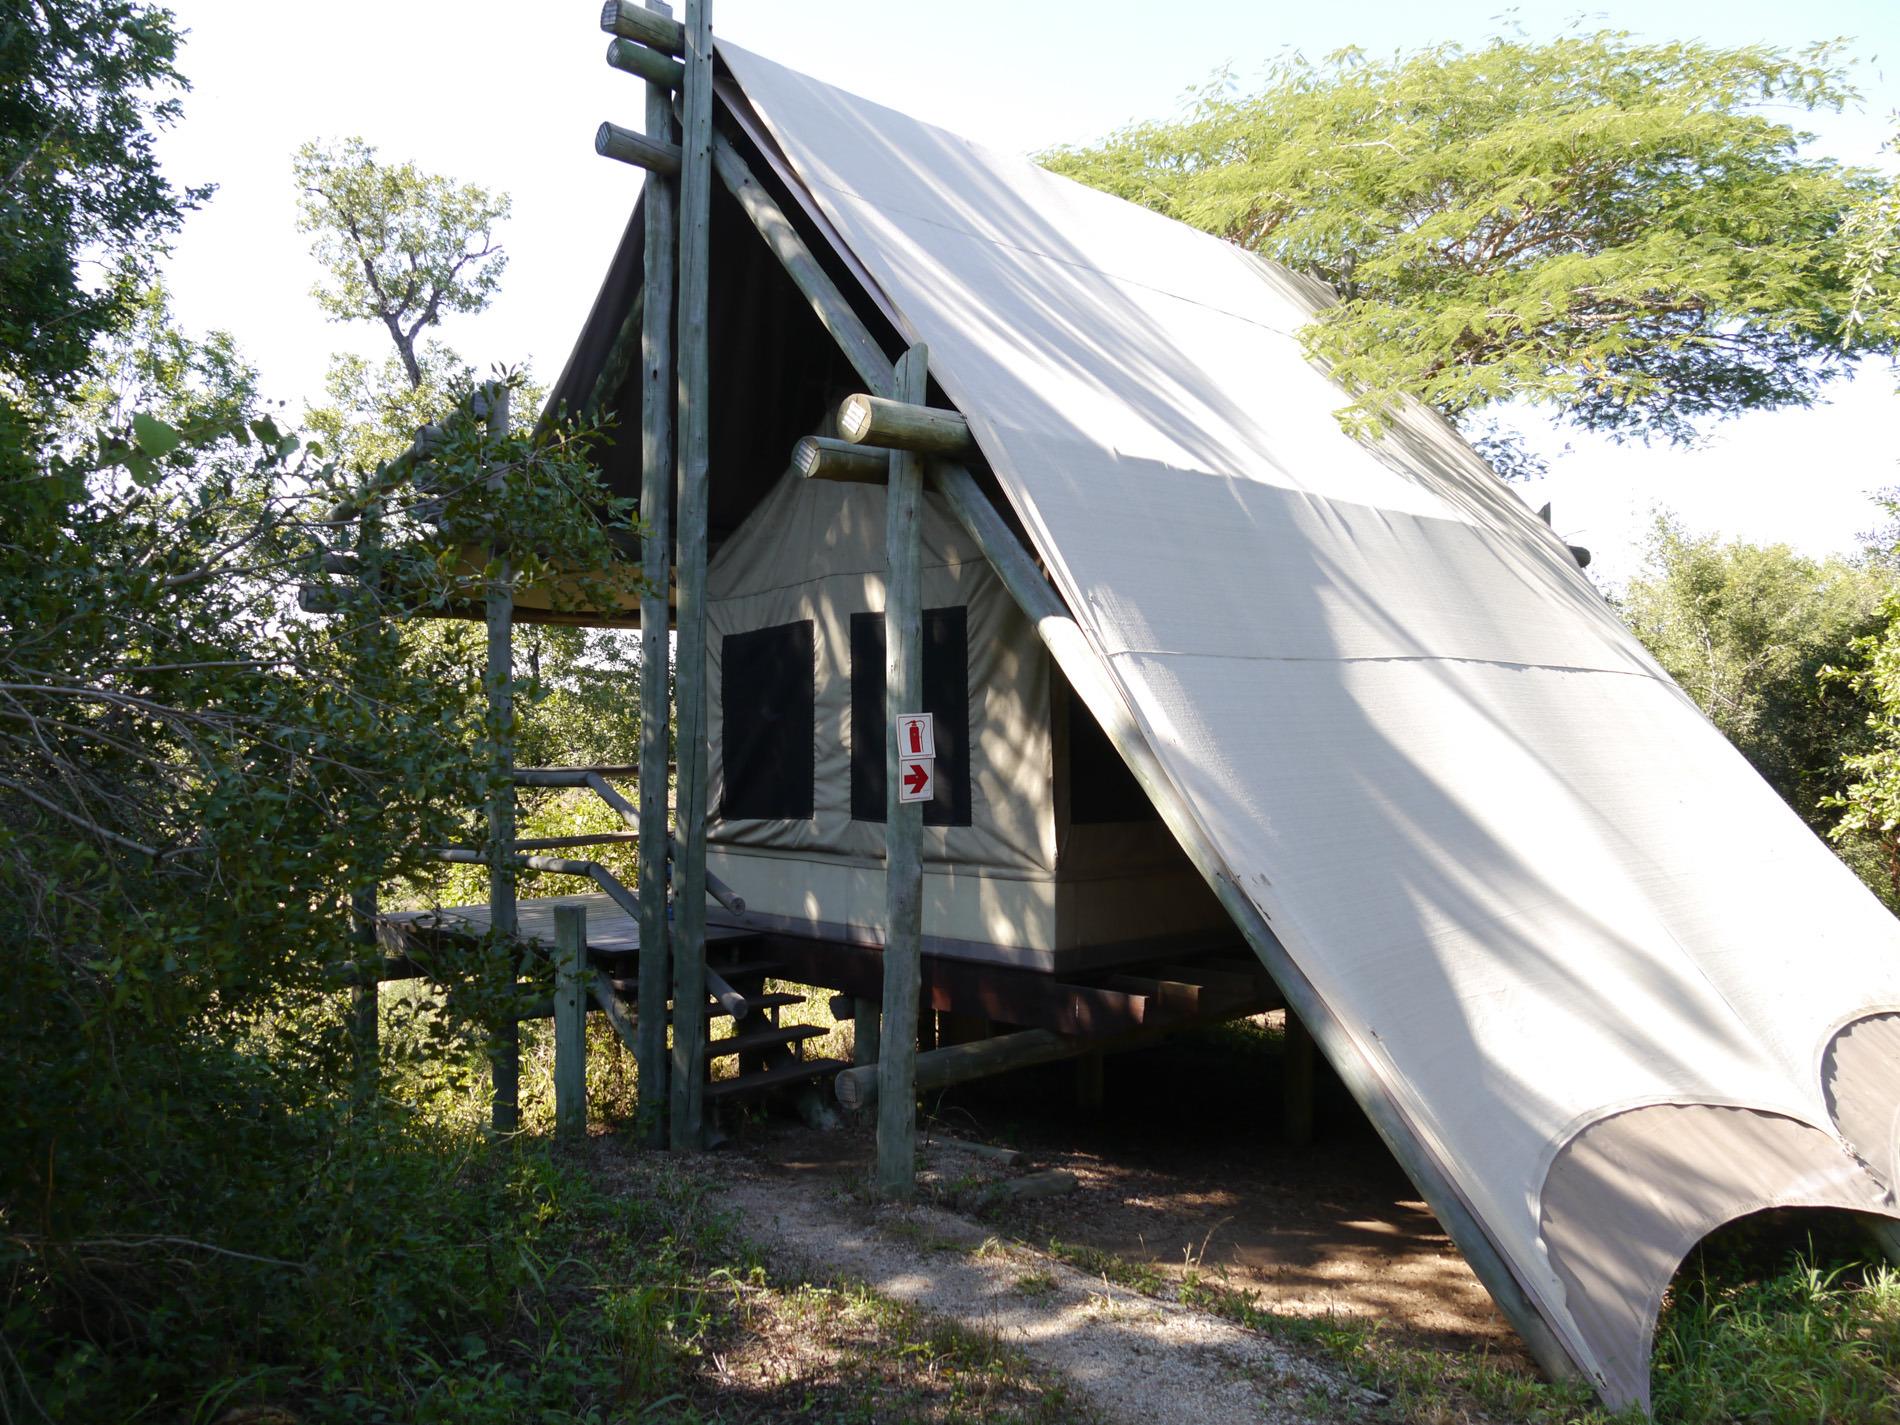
x,y
1610,988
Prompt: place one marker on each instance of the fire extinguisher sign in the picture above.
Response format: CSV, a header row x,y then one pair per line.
x,y
916,758
916,735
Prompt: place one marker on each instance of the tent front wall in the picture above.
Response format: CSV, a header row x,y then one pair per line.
x,y
1533,886
999,889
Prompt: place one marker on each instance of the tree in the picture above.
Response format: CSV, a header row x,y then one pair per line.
x,y
1611,229
84,86
1750,632
402,247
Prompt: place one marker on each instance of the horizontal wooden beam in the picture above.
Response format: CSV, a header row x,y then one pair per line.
x,y
979,1059
635,22
864,351
819,457
630,146
877,420
632,57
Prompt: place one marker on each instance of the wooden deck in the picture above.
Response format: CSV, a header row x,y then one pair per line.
x,y
611,932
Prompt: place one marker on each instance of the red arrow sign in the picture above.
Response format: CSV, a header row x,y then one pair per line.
x,y
916,778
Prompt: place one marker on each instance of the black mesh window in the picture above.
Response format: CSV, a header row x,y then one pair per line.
x,y
767,688
946,699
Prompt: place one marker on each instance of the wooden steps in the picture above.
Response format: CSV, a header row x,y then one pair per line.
x,y
771,1038
796,1071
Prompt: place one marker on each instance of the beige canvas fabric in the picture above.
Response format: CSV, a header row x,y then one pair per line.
x,y
1861,1076
1532,883
1630,1195
814,549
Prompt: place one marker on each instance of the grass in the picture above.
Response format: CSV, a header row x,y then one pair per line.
x,y
1746,1337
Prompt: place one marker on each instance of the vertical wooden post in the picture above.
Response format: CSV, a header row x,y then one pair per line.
x,y
1296,1082
903,821
689,872
1089,1081
366,998
498,683
570,1021
865,1031
656,503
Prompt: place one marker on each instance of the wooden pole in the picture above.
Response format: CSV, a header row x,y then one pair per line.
x,y
828,304
1070,649
656,694
689,872
366,996
818,457
498,683
1090,1074
653,26
612,141
903,821
859,1086
570,1021
906,425
865,1034
1296,1082
636,59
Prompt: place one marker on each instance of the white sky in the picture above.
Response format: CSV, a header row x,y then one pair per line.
x,y
507,93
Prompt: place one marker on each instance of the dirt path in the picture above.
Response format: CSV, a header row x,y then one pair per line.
x,y
1138,1360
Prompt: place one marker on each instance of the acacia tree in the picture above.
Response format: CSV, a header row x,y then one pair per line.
x,y
1614,230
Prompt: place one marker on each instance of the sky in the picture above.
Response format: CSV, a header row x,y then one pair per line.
x,y
507,93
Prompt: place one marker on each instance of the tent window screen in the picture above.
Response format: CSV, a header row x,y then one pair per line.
x,y
767,690
946,699
1101,788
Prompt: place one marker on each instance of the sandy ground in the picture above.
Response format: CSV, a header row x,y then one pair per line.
x,y
1135,1359
1184,1169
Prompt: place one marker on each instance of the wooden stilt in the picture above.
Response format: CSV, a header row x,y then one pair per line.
x,y
903,821
498,683
570,1021
365,998
657,399
864,1031
1089,1075
366,995
1296,1083
689,875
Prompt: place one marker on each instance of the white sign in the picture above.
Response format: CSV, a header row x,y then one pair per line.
x,y
916,735
916,779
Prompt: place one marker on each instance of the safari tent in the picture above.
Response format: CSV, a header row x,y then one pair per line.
x,y
1228,671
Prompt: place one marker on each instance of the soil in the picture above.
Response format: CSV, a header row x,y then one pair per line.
x,y
1131,1358
1185,1169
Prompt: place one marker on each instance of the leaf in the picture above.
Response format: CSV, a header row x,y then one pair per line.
x,y
154,436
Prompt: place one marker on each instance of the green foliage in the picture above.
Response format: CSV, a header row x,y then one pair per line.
x,y
1809,1343
83,86
401,247
1749,632
1616,230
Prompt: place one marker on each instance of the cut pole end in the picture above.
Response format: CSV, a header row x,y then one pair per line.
x,y
854,418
